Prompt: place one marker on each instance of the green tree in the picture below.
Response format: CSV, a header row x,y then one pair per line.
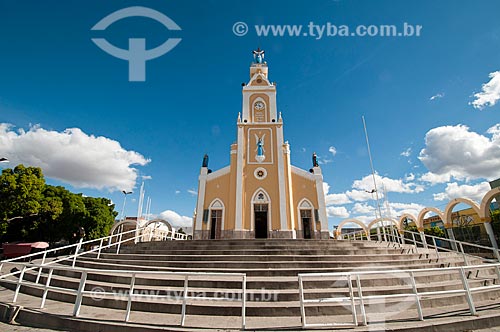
x,y
20,196
31,210
435,231
495,222
100,217
73,211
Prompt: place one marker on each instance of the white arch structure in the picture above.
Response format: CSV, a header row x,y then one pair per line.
x,y
481,209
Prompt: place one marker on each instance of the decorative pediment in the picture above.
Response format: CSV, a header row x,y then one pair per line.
x,y
260,196
259,79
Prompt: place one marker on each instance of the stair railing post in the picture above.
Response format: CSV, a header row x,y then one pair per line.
x,y
78,247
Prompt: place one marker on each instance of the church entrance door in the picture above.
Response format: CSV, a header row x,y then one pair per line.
x,y
260,218
306,223
215,224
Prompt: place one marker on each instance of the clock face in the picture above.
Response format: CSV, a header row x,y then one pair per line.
x,y
259,106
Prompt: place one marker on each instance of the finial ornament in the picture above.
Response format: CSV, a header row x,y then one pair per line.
x,y
315,160
205,161
258,55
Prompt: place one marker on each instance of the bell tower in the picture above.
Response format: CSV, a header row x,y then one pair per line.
x,y
260,194
261,161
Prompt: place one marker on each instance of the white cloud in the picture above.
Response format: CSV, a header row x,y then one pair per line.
x,y
337,211
364,219
454,190
334,199
494,132
177,192
406,153
437,96
337,199
362,208
397,209
332,150
72,156
435,178
391,185
490,92
454,151
192,192
410,177
147,177
361,195
176,219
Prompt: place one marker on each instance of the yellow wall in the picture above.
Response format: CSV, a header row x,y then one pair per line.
x,y
304,188
219,188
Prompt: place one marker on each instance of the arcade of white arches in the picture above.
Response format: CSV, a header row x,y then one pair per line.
x,y
481,209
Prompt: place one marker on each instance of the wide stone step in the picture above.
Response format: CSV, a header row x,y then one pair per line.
x,y
264,308
301,251
278,257
285,271
256,291
276,282
255,244
264,264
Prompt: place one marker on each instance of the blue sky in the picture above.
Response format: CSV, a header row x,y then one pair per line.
x,y
430,102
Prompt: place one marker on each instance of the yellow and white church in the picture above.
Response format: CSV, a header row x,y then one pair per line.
x,y
260,194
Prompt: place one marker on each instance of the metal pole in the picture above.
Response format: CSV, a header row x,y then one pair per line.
x,y
184,299
139,211
46,289
130,294
79,294
244,302
373,169
302,309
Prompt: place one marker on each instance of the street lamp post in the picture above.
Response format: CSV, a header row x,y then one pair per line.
x,y
125,193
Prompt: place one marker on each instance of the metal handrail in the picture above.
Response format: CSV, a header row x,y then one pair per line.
x,y
130,296
455,245
98,249
360,298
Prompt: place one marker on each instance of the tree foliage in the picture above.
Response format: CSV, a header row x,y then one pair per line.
x,y
31,210
434,231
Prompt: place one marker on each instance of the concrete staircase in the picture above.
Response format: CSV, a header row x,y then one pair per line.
x,y
271,267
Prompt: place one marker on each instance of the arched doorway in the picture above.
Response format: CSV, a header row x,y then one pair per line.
x,y
306,219
216,219
260,213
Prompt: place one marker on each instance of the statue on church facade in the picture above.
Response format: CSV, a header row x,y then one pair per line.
x,y
260,148
205,161
315,160
258,55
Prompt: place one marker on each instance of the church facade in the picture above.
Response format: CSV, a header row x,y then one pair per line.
x,y
260,194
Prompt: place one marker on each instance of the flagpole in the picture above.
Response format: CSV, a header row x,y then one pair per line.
x,y
373,174
139,212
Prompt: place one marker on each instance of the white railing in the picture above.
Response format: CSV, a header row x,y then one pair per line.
x,y
426,241
130,296
356,298
114,240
